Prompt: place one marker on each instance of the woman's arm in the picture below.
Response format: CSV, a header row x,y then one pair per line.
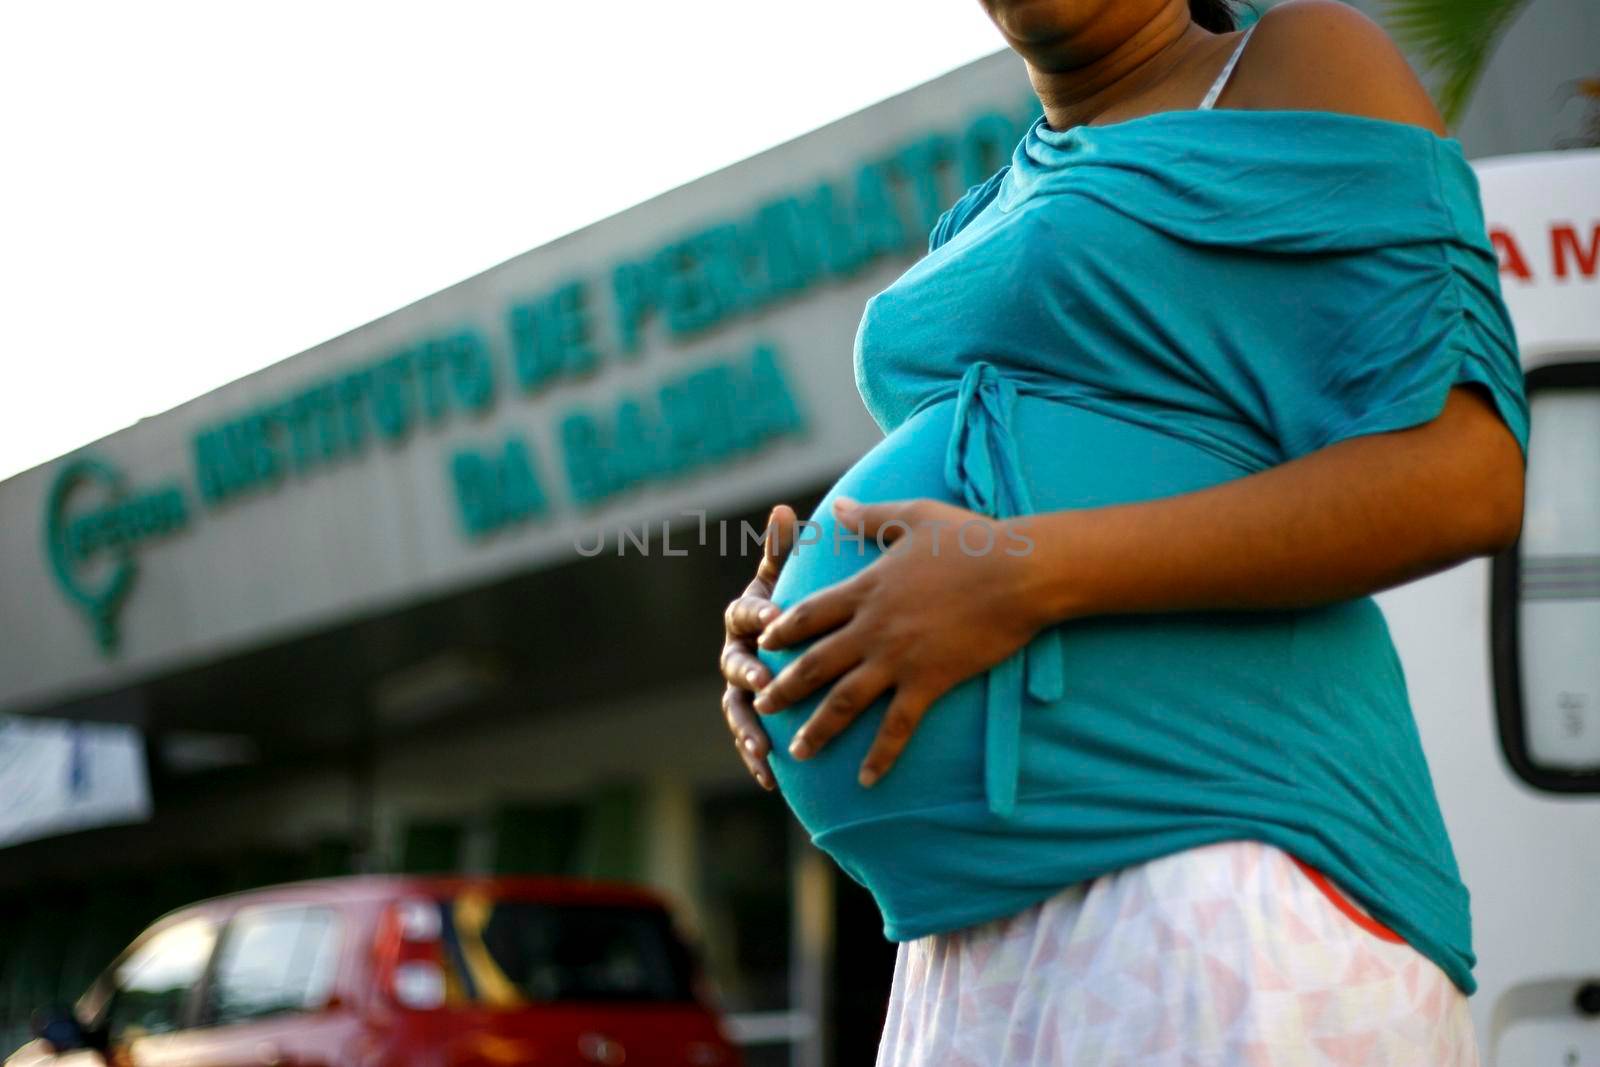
x,y
1348,520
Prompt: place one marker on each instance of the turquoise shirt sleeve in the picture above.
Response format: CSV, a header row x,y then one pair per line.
x,y
1421,317
1430,317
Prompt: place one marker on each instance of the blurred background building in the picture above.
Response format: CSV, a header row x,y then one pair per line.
x,y
444,593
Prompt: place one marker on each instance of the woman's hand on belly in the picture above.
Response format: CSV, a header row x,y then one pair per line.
x,y
943,603
742,621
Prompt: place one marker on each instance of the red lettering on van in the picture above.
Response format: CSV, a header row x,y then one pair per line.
x,y
1511,261
1564,241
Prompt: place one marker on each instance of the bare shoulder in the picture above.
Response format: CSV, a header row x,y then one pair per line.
x,y
1324,55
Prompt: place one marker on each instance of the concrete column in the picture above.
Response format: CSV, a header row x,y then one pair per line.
x,y
669,858
811,952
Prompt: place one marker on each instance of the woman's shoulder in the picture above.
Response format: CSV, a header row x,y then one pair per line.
x,y
966,208
1324,55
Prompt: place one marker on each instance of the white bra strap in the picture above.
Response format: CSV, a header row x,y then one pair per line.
x,y
1222,79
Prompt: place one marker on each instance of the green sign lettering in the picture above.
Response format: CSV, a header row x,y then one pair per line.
x,y
93,524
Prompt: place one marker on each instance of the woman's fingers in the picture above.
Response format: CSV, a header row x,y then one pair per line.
x,y
748,616
899,723
748,736
821,664
775,548
853,694
743,619
741,667
886,523
816,614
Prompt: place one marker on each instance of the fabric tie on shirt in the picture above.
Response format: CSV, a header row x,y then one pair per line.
x,y
982,464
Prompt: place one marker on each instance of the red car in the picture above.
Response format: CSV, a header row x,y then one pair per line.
x,y
389,971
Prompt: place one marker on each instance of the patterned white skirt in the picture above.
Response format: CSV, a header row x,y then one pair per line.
x,y
1232,953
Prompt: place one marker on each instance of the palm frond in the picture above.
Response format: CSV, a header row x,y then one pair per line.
x,y
1454,38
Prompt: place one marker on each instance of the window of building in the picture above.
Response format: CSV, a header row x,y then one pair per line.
x,y
274,960
432,846
745,848
153,984
538,838
1546,590
597,836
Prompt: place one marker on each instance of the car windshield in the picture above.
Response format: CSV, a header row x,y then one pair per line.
x,y
510,952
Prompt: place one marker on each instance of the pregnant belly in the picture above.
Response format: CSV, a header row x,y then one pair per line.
x,y
1071,458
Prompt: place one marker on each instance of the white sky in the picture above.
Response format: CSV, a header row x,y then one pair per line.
x,y
191,191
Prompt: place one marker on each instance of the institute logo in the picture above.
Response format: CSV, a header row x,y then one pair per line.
x,y
94,526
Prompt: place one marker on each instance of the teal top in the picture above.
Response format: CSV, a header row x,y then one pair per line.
x,y
1123,313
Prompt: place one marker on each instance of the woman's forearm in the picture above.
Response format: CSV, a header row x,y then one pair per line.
x,y
1349,520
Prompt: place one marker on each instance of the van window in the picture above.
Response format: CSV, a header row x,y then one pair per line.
x,y
152,985
273,959
1547,590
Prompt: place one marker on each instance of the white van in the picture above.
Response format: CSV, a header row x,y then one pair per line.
x,y
1502,656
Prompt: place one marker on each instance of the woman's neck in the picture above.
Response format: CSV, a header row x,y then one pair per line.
x,y
1111,73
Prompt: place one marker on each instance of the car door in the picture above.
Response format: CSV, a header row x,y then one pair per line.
x,y
271,995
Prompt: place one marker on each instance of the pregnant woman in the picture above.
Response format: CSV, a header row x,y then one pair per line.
x,y
1078,670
